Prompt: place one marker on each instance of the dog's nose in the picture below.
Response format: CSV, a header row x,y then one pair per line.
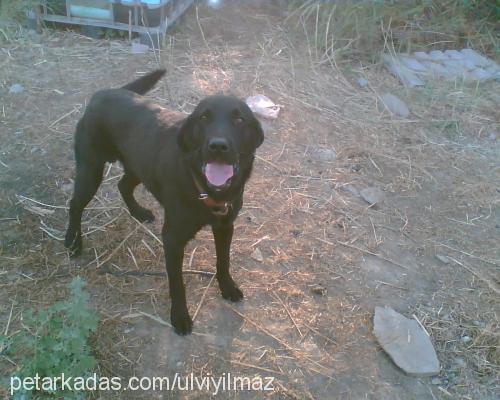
x,y
220,145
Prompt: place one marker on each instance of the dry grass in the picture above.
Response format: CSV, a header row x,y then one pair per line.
x,y
303,214
363,29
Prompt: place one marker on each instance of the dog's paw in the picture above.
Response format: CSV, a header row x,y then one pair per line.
x,y
73,242
181,321
143,214
230,291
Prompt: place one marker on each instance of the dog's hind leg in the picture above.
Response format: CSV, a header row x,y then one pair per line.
x,y
126,186
87,181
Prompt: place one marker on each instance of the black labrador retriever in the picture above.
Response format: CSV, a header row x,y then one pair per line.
x,y
196,168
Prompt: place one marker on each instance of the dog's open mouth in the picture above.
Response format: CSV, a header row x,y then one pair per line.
x,y
218,174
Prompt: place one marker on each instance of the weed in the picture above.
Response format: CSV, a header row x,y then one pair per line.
x,y
55,341
363,29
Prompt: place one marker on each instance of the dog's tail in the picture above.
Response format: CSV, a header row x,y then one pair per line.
x,y
145,83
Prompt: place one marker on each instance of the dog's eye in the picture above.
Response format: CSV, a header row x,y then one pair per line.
x,y
206,116
238,120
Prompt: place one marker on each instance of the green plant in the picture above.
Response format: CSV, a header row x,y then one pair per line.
x,y
14,10
55,341
4,344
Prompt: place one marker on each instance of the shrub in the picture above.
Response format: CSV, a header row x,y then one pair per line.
x,y
55,341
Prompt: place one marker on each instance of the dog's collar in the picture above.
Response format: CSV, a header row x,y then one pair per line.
x,y
218,208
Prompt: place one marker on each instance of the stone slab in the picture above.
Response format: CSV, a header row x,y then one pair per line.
x,y
406,343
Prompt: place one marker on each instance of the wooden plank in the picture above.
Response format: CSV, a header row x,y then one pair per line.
x,y
165,20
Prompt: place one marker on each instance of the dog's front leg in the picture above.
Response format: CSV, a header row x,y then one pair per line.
x,y
223,235
173,245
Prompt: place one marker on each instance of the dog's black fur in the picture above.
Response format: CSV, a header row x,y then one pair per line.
x,y
169,159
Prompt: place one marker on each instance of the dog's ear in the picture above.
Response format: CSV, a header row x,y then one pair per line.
x,y
257,132
185,137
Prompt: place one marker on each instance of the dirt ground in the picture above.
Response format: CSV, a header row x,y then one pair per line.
x,y
328,257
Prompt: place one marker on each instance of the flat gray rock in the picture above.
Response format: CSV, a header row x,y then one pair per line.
x,y
438,55
257,255
414,69
475,57
413,64
372,195
351,189
453,54
407,76
16,88
395,105
422,55
481,74
435,69
405,342
456,67
362,82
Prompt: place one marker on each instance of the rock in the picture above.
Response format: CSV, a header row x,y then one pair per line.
x,y
422,55
404,74
454,54
436,381
449,71
362,82
481,74
323,154
494,71
67,186
139,48
436,68
412,63
450,64
16,88
372,195
493,136
395,105
468,64
479,323
454,67
475,57
438,55
405,342
443,259
465,339
351,189
257,255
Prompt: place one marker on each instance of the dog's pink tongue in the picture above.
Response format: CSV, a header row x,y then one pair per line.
x,y
218,174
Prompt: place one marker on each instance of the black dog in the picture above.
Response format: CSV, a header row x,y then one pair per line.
x,y
195,168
